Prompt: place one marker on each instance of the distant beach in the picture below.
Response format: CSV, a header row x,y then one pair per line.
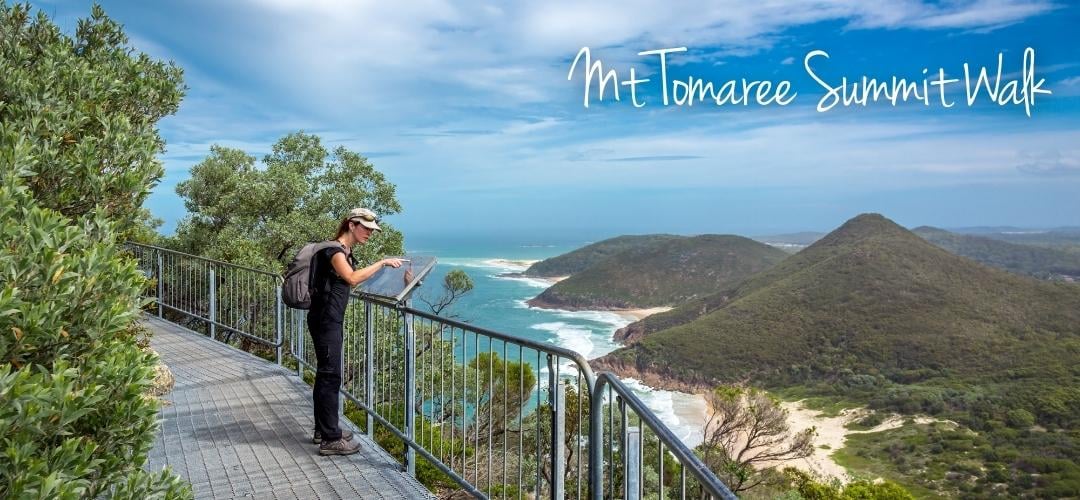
x,y
640,314
516,267
521,264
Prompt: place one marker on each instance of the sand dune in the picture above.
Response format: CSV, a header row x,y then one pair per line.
x,y
831,432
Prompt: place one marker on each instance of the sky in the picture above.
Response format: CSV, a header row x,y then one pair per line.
x,y
467,107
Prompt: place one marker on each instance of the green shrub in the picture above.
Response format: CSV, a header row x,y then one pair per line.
x,y
77,158
1019,418
810,489
72,378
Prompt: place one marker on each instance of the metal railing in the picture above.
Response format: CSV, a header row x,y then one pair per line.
x,y
497,415
222,300
634,442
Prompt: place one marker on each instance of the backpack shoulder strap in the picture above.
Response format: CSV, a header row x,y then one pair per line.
x,y
332,244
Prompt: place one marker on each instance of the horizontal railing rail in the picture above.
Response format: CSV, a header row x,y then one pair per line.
x,y
498,415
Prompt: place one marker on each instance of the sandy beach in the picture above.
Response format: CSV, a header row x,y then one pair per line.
x,y
830,433
640,314
691,410
521,264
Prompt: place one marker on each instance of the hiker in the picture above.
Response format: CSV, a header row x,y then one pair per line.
x,y
334,275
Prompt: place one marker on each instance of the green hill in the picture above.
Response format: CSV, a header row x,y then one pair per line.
x,y
662,273
578,260
874,304
1036,261
872,314
1040,262
1053,237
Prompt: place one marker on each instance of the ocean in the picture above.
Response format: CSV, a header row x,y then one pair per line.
x,y
498,303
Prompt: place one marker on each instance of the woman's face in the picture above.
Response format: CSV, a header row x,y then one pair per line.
x,y
361,233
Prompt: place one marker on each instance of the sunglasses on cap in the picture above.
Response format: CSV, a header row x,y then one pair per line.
x,y
368,218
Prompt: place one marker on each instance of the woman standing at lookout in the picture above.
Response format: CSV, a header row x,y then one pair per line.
x,y
334,274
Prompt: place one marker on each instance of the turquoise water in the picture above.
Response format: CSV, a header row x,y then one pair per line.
x,y
498,303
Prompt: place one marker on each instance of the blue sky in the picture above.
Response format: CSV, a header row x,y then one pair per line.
x,y
467,109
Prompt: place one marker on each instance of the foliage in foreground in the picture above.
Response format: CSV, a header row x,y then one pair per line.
x,y
72,378
77,157
88,106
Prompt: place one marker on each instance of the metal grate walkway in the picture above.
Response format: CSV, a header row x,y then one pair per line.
x,y
236,426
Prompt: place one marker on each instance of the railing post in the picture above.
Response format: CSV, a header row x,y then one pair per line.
x,y
624,446
410,393
633,462
369,366
298,337
596,440
213,303
277,323
160,283
557,398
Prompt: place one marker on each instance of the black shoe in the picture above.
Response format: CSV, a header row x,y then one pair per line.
x,y
340,447
317,438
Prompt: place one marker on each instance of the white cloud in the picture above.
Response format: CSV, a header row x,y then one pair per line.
x,y
1049,162
475,95
383,58
741,150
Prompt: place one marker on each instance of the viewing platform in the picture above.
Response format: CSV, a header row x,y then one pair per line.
x,y
237,426
477,412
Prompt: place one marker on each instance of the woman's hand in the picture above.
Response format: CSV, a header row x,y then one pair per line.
x,y
355,277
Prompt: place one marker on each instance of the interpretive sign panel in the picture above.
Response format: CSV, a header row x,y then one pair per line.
x,y
395,284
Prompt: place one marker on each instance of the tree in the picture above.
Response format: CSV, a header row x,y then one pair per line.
x,y
503,387
456,284
576,428
77,148
88,106
748,434
260,217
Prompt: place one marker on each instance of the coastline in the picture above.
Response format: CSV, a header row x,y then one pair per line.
x,y
684,411
632,314
683,401
640,314
520,275
519,265
552,279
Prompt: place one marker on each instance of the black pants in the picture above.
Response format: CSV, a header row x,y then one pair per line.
x,y
327,337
